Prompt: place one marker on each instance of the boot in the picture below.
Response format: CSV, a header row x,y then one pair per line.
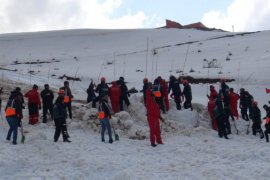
x,y
153,145
67,140
111,141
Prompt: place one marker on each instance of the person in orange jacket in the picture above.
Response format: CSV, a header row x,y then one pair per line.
x,y
234,97
153,116
115,93
34,104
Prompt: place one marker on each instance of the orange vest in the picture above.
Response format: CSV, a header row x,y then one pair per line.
x,y
10,111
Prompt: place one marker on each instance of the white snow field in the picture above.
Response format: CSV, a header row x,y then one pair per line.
x,y
191,150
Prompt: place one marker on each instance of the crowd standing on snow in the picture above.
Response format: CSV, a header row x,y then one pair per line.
x,y
222,105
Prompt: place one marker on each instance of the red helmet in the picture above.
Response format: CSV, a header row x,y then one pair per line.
x,y
185,81
145,80
103,79
255,103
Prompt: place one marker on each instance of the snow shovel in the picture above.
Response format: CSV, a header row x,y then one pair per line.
x,y
23,136
116,136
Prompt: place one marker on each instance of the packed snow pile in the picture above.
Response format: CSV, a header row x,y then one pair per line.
x,y
133,124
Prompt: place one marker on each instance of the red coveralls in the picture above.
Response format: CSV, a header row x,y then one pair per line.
x,y
211,106
153,113
34,104
233,104
115,93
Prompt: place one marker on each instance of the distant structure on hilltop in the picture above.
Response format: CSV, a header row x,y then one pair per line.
x,y
198,25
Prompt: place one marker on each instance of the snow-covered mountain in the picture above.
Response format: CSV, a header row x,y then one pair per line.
x,y
191,150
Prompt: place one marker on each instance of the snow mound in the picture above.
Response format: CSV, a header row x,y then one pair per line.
x,y
133,122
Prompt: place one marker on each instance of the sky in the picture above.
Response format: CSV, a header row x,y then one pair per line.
x,y
44,15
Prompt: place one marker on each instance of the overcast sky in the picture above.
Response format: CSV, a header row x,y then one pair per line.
x,y
43,15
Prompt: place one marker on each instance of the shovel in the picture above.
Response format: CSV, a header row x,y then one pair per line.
x,y
23,136
116,136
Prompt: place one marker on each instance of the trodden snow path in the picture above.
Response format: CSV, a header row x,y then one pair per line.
x,y
202,155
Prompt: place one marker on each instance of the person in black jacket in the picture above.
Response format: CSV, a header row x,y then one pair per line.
x,y
159,94
68,97
102,89
176,90
243,104
220,116
13,115
267,122
91,92
124,93
47,101
59,116
104,116
145,87
188,95
256,119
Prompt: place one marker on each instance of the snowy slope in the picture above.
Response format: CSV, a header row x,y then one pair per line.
x,y
191,150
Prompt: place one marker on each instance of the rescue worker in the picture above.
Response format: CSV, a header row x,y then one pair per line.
x,y
59,117
124,93
176,91
104,116
267,122
13,115
91,92
34,104
153,116
102,89
256,119
47,101
68,98
115,93
188,95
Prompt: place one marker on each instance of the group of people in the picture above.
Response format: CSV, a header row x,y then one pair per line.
x,y
223,105
57,109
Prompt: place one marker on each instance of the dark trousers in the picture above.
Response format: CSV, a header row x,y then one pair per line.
x,y
123,98
105,124
95,100
46,108
266,132
227,123
177,101
256,127
13,128
68,105
60,127
244,113
187,103
221,126
160,101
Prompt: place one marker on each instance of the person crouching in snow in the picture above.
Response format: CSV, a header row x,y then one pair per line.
x,y
153,116
256,119
267,122
59,117
104,116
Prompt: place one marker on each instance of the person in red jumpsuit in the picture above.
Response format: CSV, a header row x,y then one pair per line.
x,y
153,116
234,97
34,104
211,106
115,93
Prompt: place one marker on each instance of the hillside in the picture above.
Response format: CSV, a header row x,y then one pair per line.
x,y
191,149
